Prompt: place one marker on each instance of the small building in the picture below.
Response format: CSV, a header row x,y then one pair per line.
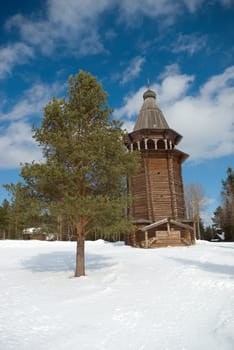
x,y
38,234
162,233
218,235
158,205
33,233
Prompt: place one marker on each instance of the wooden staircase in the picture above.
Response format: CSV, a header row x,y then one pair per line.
x,y
166,242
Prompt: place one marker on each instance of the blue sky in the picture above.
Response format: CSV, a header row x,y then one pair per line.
x,y
185,48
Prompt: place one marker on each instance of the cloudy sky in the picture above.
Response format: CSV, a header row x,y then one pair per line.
x,y
184,47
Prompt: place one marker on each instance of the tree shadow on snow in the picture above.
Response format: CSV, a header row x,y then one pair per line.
x,y
64,261
207,266
224,246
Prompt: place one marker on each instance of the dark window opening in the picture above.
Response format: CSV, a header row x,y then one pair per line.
x,y
150,144
161,144
142,144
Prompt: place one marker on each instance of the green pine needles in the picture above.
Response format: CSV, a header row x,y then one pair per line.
x,y
83,179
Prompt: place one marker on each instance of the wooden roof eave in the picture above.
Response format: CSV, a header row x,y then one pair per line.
x,y
164,221
154,224
180,154
181,224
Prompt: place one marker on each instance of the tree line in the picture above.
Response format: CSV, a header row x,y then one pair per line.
x,y
223,217
224,214
25,210
81,185
79,190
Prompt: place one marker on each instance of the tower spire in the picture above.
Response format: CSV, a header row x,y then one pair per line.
x,y
150,116
148,83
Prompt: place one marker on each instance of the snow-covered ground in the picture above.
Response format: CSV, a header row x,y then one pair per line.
x,y
158,299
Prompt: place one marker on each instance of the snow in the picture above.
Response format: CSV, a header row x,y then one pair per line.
x,y
168,299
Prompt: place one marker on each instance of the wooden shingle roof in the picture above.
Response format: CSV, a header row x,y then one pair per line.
x,y
150,116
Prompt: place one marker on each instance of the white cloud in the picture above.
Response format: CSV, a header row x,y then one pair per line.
x,y
32,101
206,120
133,70
110,34
173,87
17,146
16,142
193,5
218,83
71,23
191,43
171,69
75,24
12,55
131,107
128,125
168,10
130,10
226,2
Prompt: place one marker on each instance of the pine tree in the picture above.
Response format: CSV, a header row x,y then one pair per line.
x,y
224,214
83,178
25,209
4,219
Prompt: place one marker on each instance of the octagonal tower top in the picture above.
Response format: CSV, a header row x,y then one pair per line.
x,y
150,116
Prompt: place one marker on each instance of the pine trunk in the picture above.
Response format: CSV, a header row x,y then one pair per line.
x,y
80,262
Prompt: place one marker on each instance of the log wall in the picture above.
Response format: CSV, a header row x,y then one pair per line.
x,y
157,189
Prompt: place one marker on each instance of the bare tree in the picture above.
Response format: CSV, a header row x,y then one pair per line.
x,y
194,201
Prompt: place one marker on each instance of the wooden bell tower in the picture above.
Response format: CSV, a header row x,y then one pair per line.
x,y
157,189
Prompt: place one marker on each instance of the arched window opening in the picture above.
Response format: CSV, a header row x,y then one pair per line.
x,y
135,146
161,144
150,144
142,144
